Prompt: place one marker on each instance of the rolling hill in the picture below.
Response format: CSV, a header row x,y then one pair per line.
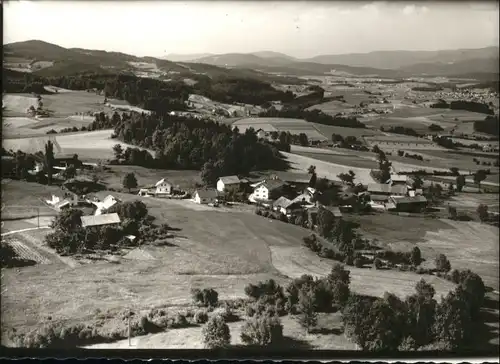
x,y
48,59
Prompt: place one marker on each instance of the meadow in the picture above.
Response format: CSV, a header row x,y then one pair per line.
x,y
91,145
294,126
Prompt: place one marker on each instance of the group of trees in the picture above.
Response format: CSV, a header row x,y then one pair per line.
x,y
489,125
313,116
390,324
472,106
189,143
70,237
383,164
400,130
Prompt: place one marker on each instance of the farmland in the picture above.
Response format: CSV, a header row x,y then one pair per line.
x,y
294,126
92,145
66,109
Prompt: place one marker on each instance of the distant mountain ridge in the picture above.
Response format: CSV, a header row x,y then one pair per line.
x,y
385,64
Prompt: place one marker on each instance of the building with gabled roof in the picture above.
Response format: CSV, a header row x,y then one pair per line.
x,y
228,182
206,196
163,187
409,203
98,220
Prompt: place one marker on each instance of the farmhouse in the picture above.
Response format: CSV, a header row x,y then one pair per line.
x,y
409,204
399,179
163,187
61,200
286,206
105,219
269,189
381,191
205,196
104,204
228,182
295,180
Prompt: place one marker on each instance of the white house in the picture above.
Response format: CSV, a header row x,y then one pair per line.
x,y
104,204
205,196
227,182
163,187
266,190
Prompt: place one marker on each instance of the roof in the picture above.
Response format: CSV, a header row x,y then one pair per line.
x,y
379,188
207,193
96,220
408,200
399,178
293,177
303,196
229,180
273,184
109,201
282,202
399,189
163,180
79,179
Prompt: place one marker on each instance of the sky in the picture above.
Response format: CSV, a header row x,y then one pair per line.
x,y
298,28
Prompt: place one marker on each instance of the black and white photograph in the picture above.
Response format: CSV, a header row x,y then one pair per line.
x,y
239,178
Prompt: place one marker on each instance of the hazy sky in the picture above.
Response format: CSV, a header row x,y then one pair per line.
x,y
299,28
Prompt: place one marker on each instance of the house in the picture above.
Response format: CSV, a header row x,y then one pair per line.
x,y
62,199
105,204
228,182
206,196
105,219
295,180
286,206
380,192
409,204
163,187
268,189
399,179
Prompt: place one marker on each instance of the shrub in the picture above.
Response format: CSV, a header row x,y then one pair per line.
x,y
349,260
262,331
377,263
442,263
250,310
200,317
206,297
358,263
216,333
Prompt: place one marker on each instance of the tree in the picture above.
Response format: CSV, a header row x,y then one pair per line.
x,y
339,274
482,211
417,182
442,263
118,151
216,333
68,220
346,178
460,182
479,176
475,290
129,181
69,172
49,160
209,174
452,212
307,309
311,169
416,256
303,140
262,330
455,171
452,324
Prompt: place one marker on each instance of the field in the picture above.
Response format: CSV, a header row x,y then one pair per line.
x,y
294,126
113,179
327,169
328,130
219,249
295,337
92,145
468,245
66,109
